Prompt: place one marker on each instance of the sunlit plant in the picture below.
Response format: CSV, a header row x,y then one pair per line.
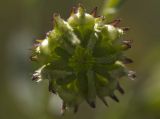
x,y
82,58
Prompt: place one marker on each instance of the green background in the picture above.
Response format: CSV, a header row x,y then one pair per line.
x,y
23,21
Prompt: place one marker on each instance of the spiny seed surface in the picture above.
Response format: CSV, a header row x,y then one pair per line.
x,y
82,58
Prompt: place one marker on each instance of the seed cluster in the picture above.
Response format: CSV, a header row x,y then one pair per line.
x,y
82,58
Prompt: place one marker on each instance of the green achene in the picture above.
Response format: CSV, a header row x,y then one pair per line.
x,y
82,58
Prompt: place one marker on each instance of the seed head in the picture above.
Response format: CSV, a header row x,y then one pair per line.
x,y
82,58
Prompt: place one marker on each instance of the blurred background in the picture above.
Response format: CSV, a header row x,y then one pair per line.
x,y
23,21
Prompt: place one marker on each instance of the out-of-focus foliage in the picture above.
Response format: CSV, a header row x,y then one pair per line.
x,y
111,7
21,23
